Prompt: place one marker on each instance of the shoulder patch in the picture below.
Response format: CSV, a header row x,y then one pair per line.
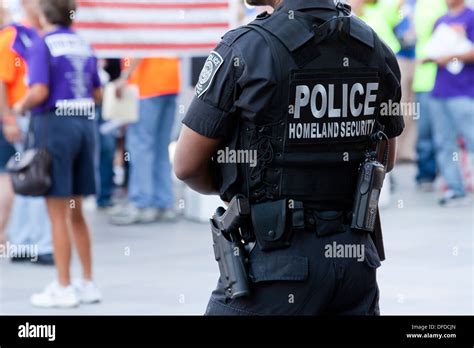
x,y
212,65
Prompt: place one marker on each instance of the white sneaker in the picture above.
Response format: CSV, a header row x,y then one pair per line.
x,y
132,215
148,215
55,295
87,291
117,209
453,200
167,215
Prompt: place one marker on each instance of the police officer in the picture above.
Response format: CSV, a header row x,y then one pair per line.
x,y
301,91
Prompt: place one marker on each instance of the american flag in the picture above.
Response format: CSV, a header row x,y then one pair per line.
x,y
146,28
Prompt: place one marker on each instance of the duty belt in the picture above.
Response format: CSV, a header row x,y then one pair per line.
x,y
324,222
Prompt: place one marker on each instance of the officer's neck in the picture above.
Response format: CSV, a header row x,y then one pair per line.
x,y
274,3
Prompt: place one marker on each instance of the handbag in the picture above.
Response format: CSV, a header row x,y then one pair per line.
x,y
31,171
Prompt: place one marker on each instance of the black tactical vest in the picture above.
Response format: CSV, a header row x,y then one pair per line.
x,y
309,143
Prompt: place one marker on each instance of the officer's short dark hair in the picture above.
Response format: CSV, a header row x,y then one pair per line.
x,y
58,12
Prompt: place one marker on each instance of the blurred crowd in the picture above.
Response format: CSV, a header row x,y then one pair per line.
x,y
128,169
89,156
439,134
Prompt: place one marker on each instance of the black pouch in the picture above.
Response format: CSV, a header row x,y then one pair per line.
x,y
31,175
329,222
270,225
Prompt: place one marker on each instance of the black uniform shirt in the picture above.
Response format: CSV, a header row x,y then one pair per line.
x,y
238,80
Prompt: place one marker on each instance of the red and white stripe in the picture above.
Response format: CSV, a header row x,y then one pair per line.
x,y
145,28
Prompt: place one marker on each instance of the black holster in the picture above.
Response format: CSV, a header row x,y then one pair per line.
x,y
229,249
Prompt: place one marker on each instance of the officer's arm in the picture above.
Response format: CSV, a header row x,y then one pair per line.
x,y
192,160
209,120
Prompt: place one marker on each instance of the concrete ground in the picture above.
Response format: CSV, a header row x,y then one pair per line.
x,y
170,269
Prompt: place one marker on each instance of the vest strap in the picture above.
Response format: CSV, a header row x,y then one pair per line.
x,y
290,31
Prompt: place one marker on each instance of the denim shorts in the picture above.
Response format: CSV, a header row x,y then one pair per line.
x,y
71,143
6,151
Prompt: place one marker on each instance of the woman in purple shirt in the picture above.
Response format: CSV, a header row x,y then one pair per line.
x,y
453,105
63,89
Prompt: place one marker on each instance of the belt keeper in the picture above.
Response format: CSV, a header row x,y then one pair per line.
x,y
297,216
